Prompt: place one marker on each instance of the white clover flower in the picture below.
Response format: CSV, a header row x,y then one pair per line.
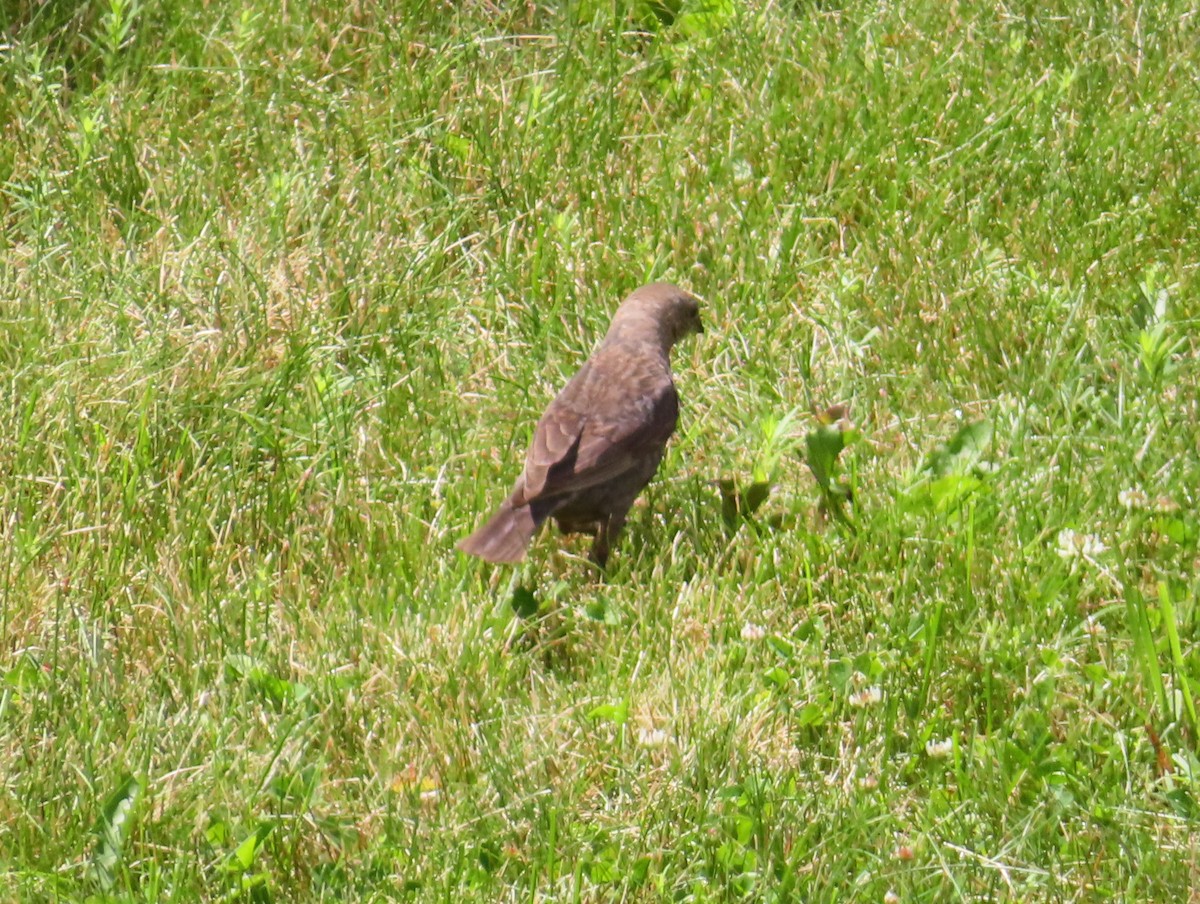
x,y
752,632
939,750
890,897
1073,545
651,737
868,696
1133,498
1067,547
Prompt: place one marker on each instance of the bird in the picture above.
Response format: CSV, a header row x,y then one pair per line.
x,y
601,440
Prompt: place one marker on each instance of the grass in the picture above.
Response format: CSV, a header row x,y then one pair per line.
x,y
282,292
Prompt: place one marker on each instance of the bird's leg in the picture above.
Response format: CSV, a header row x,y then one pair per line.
x,y
606,535
599,553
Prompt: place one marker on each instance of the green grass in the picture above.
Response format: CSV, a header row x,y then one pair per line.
x,y
282,294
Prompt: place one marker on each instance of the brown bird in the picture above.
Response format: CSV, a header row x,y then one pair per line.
x,y
601,439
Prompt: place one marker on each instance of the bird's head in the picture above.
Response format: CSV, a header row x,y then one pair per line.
x,y
661,310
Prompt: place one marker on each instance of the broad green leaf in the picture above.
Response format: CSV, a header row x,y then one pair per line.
x,y
112,830
243,857
617,713
964,450
524,603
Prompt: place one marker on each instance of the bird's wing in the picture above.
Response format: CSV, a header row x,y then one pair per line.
x,y
602,424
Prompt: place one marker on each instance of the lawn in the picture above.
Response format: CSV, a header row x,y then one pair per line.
x,y
283,290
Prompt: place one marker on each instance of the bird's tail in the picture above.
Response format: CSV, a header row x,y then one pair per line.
x,y
505,536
